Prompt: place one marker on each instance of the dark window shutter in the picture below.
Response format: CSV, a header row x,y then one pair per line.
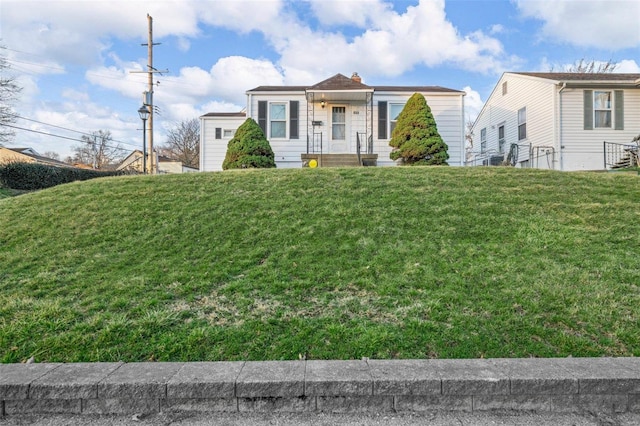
x,y
618,114
382,120
588,110
293,119
262,116
218,133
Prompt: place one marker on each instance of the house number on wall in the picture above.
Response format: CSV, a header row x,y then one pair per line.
x,y
356,112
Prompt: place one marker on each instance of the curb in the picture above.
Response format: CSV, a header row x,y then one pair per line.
x,y
539,385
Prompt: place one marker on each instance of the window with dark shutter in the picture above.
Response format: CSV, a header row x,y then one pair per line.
x,y
262,116
293,119
382,120
218,133
618,113
588,110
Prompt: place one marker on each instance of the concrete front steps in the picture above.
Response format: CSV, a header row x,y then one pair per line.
x,y
556,385
340,160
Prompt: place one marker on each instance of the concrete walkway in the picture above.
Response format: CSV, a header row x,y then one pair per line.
x,y
584,386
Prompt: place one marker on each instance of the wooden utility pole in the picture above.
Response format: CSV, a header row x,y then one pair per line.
x,y
148,98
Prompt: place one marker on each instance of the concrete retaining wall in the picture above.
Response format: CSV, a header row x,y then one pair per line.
x,y
603,385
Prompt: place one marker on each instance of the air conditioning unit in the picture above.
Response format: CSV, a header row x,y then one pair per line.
x,y
493,160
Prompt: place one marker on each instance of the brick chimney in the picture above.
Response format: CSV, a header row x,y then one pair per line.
x,y
355,77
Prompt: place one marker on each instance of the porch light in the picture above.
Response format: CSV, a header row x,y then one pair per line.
x,y
322,104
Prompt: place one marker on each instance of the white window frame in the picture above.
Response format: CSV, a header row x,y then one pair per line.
x,y
608,109
483,140
228,133
501,140
522,123
285,120
393,120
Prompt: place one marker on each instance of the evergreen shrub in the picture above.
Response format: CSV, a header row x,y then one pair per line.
x,y
249,148
415,138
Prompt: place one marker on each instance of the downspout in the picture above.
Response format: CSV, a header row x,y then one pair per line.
x,y
564,85
463,153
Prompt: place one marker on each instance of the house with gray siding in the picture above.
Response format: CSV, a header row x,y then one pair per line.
x,y
340,117
559,121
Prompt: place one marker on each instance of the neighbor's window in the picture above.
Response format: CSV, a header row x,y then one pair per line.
x,y
501,138
602,109
229,133
504,88
278,120
522,123
483,140
394,112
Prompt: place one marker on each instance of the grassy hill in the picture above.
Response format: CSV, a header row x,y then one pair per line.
x,y
323,264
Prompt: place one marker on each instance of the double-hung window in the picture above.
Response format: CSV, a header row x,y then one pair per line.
x,y
522,123
602,109
394,112
278,120
483,140
501,140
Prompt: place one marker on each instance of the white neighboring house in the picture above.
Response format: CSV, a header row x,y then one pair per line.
x,y
340,115
166,165
560,121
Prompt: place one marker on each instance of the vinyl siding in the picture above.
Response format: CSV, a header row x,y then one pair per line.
x,y
212,150
538,97
583,149
447,110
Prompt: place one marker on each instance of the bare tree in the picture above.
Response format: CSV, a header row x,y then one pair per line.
x,y
183,143
97,150
9,91
590,67
52,154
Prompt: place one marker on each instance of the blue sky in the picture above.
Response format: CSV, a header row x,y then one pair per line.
x,y
74,58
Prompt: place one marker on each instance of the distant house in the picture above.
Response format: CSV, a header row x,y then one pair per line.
x,y
27,155
560,121
166,165
336,118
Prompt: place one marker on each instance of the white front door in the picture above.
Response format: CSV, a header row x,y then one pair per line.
x,y
339,130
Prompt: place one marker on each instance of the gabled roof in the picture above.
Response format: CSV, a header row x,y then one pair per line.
x,y
340,82
30,152
586,78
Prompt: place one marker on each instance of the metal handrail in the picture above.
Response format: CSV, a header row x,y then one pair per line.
x,y
616,155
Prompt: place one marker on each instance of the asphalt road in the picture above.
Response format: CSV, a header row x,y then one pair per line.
x,y
285,419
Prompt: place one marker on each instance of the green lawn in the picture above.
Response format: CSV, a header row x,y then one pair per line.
x,y
323,264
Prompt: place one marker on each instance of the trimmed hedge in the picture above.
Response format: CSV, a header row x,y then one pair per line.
x,y
30,176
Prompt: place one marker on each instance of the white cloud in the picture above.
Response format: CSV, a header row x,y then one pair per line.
x,y
472,104
610,25
628,66
393,43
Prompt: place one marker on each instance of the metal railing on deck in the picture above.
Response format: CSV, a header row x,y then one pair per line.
x,y
619,156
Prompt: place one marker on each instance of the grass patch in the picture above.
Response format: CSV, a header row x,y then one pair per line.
x,y
323,264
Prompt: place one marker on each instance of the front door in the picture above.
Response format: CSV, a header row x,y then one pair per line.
x,y
339,130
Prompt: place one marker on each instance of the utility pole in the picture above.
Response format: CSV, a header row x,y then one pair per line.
x,y
148,98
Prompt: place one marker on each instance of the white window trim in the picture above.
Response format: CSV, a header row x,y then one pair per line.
x,y
504,137
392,122
483,139
610,109
286,119
524,123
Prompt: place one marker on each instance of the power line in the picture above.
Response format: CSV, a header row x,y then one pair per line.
x,y
63,137
65,128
